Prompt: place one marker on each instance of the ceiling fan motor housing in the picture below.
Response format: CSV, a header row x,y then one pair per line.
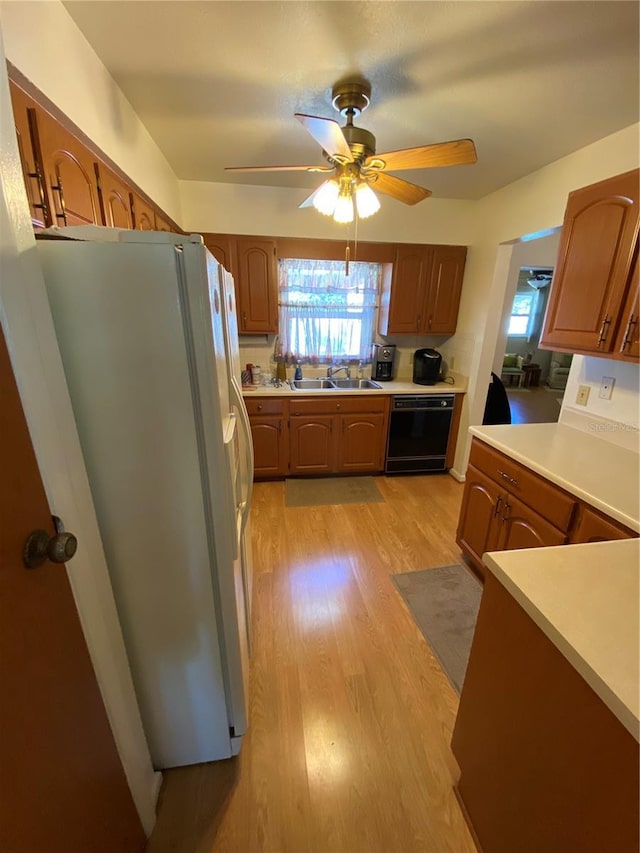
x,y
361,142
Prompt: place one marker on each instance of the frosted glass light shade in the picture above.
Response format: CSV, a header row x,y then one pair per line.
x,y
344,209
366,201
325,198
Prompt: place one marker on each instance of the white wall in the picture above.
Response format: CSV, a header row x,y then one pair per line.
x,y
44,43
246,209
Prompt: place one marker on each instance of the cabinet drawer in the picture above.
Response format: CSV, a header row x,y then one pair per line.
x,y
542,496
337,405
265,405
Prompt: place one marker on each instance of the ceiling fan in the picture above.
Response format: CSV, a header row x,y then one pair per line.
x,y
351,155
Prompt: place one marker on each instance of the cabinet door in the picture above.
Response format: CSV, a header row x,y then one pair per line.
x,y
406,303
627,341
222,247
257,286
144,217
597,244
24,116
115,201
70,176
361,444
162,224
445,286
312,445
593,527
479,523
270,446
521,527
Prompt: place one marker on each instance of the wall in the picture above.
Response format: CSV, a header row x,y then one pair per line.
x,y
44,43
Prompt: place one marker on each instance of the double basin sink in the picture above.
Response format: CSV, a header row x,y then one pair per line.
x,y
333,384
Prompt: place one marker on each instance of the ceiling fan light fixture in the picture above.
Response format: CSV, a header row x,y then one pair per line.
x,y
344,206
366,201
326,197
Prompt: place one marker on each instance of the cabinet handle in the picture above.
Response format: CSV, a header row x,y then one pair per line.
x,y
60,190
37,176
429,321
497,508
507,510
628,333
603,331
259,407
337,405
244,319
508,477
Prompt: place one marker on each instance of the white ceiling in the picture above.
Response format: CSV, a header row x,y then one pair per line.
x,y
217,83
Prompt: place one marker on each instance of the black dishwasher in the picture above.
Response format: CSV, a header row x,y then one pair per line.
x,y
419,426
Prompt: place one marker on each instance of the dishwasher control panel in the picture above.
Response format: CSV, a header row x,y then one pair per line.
x,y
424,401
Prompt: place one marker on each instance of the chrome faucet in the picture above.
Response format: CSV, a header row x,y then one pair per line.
x,y
331,371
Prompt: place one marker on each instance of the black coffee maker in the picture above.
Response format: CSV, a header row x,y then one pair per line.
x,y
426,366
382,362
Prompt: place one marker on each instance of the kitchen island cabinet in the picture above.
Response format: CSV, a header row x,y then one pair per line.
x,y
546,735
599,241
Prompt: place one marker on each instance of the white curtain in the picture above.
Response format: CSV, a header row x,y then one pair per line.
x,y
326,315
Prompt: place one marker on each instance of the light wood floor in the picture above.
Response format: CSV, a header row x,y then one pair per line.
x,y
537,405
350,715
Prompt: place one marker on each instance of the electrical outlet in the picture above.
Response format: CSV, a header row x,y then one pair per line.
x,y
583,395
606,387
452,362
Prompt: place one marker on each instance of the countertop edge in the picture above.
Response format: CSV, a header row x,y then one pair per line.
x,y
626,716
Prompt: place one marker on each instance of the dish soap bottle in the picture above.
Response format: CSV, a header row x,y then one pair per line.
x,y
298,373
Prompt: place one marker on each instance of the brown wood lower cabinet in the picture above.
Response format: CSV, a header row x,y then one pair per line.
x,y
318,436
270,439
545,766
506,506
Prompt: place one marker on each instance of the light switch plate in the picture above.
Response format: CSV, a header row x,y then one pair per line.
x,y
606,387
582,395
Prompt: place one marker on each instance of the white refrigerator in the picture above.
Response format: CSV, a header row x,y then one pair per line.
x,y
144,321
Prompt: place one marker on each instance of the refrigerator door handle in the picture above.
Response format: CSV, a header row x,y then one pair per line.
x,y
230,460
247,487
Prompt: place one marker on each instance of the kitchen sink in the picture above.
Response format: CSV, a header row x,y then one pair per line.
x,y
355,384
333,384
312,384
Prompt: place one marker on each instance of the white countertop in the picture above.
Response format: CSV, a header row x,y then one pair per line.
x,y
586,599
602,474
459,386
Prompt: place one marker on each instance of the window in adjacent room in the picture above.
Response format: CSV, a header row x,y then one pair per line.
x,y
522,313
326,315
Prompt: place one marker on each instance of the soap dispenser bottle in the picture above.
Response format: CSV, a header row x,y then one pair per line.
x,y
298,373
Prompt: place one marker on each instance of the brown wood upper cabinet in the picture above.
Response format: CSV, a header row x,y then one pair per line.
x,y
115,199
24,109
69,174
253,263
591,300
422,295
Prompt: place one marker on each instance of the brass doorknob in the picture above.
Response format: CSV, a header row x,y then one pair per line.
x,y
41,546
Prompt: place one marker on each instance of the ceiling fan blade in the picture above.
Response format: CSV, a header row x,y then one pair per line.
x,y
397,188
459,152
328,134
278,168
